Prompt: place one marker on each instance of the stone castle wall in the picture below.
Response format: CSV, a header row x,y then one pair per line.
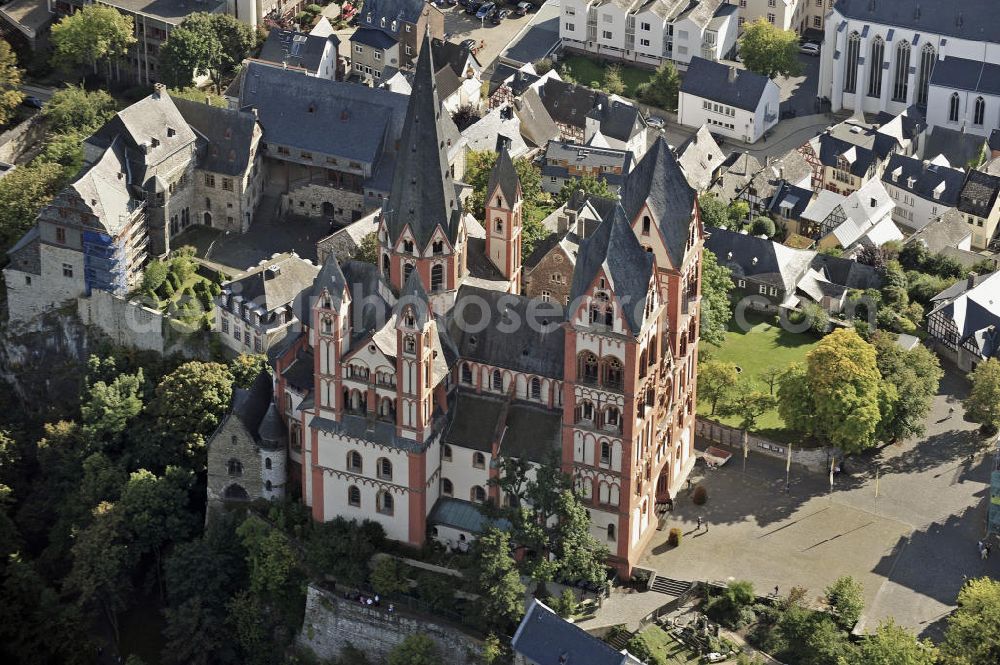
x,y
126,323
814,459
331,623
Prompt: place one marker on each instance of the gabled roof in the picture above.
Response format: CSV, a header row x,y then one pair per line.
x,y
545,638
616,119
275,282
423,194
228,134
104,188
658,181
974,307
759,258
710,80
605,159
375,12
993,142
964,74
374,38
789,201
331,279
450,54
700,157
614,249
504,176
251,405
949,230
296,48
568,103
154,127
974,20
518,80
979,193
414,296
328,117
923,179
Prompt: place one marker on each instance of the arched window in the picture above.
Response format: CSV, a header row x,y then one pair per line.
x,y
354,463
268,486
536,388
437,277
875,70
384,503
611,532
927,59
438,247
327,325
586,411
466,373
645,225
498,225
612,417
478,494
979,111
410,344
267,463
901,80
386,265
447,489
354,496
605,452
497,380
408,246
613,373
446,452
384,469
407,269
588,367
851,63
953,108
235,467
479,460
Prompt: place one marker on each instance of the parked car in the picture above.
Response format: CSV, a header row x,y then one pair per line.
x,y
809,48
485,11
32,102
472,6
656,122
523,8
499,16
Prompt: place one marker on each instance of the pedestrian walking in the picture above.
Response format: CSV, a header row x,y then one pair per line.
x,y
775,590
377,603
983,552
706,526
699,524
986,551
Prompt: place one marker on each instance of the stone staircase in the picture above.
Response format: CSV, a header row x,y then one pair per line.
x,y
670,587
620,640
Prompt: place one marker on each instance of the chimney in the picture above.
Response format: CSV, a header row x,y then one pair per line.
x,y
503,143
732,74
874,202
971,280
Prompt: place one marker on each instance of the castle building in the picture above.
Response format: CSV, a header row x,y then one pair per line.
x,y
413,378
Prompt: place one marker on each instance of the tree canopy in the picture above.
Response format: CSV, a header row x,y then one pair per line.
x,y
588,183
10,83
769,50
91,35
836,395
973,634
661,91
205,44
716,309
983,403
892,644
478,166
76,110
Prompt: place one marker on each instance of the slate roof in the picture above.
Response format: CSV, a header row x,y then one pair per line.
x,y
501,121
993,142
251,405
404,10
414,296
272,290
738,170
452,55
300,373
531,432
374,38
517,80
366,285
846,272
228,133
423,195
568,103
700,157
759,258
923,179
616,119
105,191
965,74
789,201
974,309
331,279
614,249
658,181
296,48
589,156
504,176
534,347
25,255
966,19
347,120
979,193
545,638
947,231
710,80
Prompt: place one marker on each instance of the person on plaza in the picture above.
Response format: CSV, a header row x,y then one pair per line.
x,y
699,524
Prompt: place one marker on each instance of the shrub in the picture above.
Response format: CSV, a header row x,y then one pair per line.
x,y
173,279
674,538
566,604
638,648
700,495
387,578
168,289
543,66
154,275
314,9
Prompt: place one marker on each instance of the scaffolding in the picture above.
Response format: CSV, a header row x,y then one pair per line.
x,y
109,260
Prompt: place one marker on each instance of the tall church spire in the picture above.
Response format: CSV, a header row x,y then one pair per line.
x,y
423,194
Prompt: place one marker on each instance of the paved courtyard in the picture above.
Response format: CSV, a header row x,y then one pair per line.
x,y
910,547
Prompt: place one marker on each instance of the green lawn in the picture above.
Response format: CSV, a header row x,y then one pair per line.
x,y
585,71
670,651
762,347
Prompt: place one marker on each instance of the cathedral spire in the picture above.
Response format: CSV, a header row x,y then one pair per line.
x,y
423,194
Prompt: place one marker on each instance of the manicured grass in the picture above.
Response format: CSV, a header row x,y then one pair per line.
x,y
763,346
670,651
585,71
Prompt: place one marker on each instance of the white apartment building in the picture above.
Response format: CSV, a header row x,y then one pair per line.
x,y
942,56
733,102
786,14
649,32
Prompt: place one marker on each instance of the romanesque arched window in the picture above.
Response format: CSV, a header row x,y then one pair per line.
x,y
477,494
447,489
466,373
267,463
235,467
587,369
384,469
437,277
497,380
386,265
384,503
613,373
536,388
354,496
479,461
354,462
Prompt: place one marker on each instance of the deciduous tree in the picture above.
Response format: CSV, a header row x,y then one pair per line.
x,y
76,110
416,649
983,403
188,405
91,35
716,381
246,367
588,183
915,375
973,634
769,50
716,309
10,83
661,91
847,600
108,409
892,644
23,193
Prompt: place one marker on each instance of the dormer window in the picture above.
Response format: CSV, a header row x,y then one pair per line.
x,y
382,22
